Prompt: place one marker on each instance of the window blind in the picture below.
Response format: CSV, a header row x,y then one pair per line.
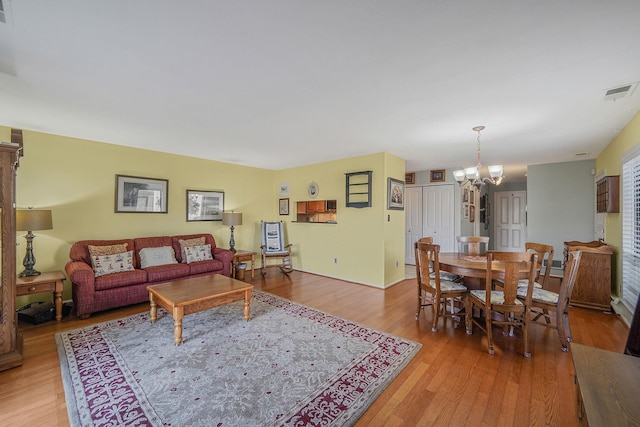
x,y
631,227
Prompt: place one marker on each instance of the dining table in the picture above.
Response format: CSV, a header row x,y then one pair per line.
x,y
473,268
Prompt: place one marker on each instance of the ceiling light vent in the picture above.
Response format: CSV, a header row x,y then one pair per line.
x,y
619,92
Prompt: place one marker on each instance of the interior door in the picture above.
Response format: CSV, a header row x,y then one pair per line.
x,y
510,232
438,215
413,209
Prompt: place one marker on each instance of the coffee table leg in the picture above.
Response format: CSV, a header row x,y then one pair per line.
x,y
247,304
153,312
178,313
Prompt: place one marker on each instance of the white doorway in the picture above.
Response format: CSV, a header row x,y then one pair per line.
x,y
510,229
430,212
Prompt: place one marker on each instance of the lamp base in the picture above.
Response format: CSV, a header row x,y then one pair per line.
x,y
29,272
232,242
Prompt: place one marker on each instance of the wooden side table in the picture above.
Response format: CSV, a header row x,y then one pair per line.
x,y
52,281
241,256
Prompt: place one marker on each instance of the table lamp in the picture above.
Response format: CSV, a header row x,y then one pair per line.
x,y
29,220
232,219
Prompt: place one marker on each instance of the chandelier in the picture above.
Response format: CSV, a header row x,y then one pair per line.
x,y
472,174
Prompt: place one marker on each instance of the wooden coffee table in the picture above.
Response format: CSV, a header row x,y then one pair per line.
x,y
191,295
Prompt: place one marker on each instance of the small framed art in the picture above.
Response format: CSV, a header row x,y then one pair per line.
x,y
141,195
395,197
410,178
437,175
205,205
284,206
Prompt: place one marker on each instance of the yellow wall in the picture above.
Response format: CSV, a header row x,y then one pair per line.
x,y
359,239
76,180
610,161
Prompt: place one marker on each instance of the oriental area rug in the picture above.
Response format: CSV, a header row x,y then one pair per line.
x,y
290,365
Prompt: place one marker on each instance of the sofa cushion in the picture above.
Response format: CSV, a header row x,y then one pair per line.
x,y
108,249
80,250
197,253
118,280
208,266
148,242
161,273
150,257
208,240
109,264
189,243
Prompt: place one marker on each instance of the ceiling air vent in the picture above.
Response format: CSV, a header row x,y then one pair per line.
x,y
619,92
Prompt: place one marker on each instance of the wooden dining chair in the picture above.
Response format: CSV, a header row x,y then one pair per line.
x,y
472,244
543,302
435,291
545,259
511,311
444,275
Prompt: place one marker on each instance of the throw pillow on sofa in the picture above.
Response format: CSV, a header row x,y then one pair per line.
x,y
198,241
197,253
107,250
150,257
108,264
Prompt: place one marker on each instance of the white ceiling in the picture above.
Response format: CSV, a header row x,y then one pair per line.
x,y
277,84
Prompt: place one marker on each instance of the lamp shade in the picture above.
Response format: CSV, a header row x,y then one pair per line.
x,y
459,175
31,219
232,218
495,171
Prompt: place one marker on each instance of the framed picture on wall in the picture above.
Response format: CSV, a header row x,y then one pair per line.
x,y
437,175
205,205
410,178
395,196
284,206
136,194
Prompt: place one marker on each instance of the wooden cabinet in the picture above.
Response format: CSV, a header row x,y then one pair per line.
x,y
608,194
10,340
593,283
301,207
316,206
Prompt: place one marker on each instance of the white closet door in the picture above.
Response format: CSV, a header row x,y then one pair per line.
x,y
413,209
438,215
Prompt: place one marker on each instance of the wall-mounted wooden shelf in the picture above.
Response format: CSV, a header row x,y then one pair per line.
x,y
358,189
608,194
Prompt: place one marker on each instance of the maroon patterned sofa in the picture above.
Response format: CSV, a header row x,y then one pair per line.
x,y
92,294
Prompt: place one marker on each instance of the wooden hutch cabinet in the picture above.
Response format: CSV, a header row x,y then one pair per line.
x,y
10,340
593,283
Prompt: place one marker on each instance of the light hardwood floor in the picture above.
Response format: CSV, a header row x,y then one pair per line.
x,y
452,381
